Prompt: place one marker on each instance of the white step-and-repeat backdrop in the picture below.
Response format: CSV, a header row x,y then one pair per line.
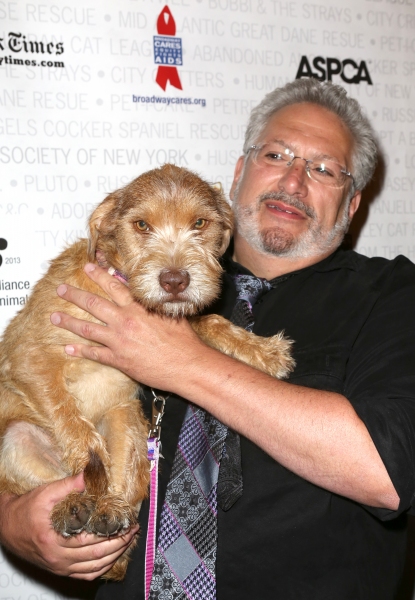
x,y
93,93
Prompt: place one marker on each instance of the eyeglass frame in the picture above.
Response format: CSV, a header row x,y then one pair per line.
x,y
307,160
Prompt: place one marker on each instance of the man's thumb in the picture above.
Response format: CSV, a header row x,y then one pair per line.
x,y
60,489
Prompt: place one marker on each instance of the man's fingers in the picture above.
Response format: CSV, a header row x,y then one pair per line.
x,y
95,568
115,289
89,331
104,335
97,353
99,307
99,555
95,547
85,329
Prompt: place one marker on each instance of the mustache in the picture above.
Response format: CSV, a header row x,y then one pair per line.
x,y
289,201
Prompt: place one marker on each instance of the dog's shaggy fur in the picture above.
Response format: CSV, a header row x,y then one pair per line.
x,y
59,415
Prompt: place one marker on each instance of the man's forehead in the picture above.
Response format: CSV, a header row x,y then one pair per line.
x,y
307,113
310,126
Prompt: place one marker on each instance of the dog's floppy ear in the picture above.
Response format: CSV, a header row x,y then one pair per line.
x,y
99,222
227,216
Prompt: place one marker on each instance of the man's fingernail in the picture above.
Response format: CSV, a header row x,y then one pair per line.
x,y
89,267
69,350
62,289
55,319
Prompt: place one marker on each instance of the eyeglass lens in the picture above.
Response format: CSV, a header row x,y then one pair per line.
x,y
326,172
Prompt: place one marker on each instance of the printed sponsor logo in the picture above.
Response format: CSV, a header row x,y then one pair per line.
x,y
19,44
326,68
3,246
168,53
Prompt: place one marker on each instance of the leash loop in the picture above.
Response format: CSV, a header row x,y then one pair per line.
x,y
153,455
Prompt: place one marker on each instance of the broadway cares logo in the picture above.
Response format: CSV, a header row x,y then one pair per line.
x,y
325,68
168,56
19,44
167,51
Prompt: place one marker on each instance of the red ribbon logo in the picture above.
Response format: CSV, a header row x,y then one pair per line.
x,y
166,26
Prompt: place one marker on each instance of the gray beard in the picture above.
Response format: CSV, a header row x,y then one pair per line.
x,y
276,241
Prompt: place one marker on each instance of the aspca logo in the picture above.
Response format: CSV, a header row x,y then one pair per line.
x,y
326,68
167,51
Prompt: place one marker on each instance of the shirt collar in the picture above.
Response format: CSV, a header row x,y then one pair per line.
x,y
339,259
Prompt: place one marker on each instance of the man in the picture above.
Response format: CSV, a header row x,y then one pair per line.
x,y
328,456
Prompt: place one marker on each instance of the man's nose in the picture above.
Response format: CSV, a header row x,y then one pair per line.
x,y
294,178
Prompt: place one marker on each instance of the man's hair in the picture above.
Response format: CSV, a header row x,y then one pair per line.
x,y
332,97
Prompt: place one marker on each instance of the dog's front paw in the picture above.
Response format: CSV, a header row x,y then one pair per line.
x,y
112,515
71,515
274,356
269,354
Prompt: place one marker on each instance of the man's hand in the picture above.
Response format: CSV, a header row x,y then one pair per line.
x,y
148,347
26,530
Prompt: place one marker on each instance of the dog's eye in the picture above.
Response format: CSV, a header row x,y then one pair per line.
x,y
142,226
200,224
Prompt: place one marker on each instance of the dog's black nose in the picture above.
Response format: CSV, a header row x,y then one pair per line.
x,y
174,281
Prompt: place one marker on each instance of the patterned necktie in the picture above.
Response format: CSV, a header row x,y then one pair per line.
x,y
249,289
185,558
230,481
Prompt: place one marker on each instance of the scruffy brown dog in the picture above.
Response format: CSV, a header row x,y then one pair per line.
x,y
60,415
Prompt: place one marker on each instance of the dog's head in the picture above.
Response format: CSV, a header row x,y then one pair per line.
x,y
165,231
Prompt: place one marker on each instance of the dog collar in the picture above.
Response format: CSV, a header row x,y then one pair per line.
x,y
115,273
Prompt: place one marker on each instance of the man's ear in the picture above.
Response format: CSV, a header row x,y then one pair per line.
x,y
354,204
237,175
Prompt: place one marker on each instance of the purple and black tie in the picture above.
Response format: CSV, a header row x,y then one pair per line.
x,y
186,551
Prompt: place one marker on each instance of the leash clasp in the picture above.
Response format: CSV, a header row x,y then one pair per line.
x,y
157,412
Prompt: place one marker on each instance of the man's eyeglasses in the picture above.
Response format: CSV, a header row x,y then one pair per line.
x,y
277,156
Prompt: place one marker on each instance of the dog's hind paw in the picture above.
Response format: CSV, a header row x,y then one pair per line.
x,y
112,515
71,515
